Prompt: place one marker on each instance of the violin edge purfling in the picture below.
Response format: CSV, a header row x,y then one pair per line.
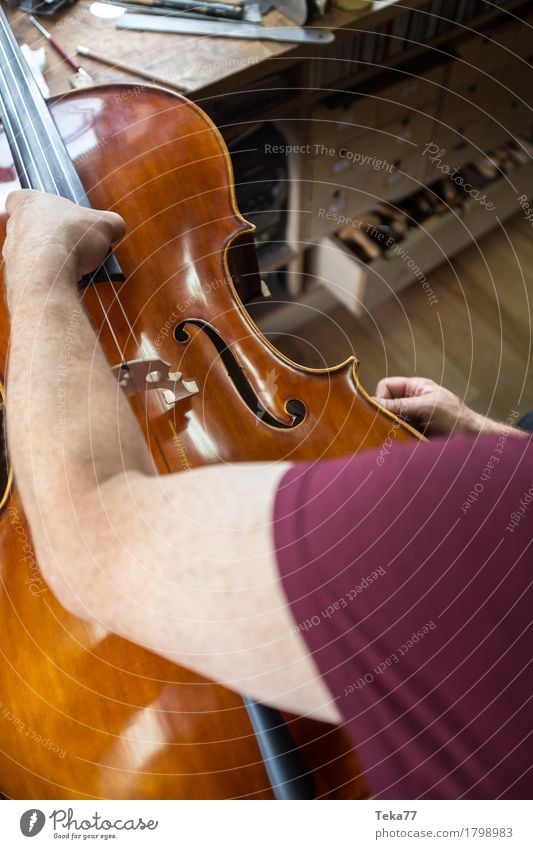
x,y
174,188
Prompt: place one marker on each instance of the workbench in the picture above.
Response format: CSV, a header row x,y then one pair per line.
x,y
468,86
204,66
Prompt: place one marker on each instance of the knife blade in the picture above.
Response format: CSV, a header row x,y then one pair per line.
x,y
228,29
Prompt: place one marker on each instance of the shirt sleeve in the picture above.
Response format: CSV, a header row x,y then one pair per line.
x,y
409,576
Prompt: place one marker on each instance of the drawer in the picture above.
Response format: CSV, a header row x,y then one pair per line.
x,y
481,98
380,150
410,93
335,267
361,114
492,93
398,139
448,151
459,108
518,109
330,205
361,287
356,191
456,149
335,126
404,180
486,134
467,143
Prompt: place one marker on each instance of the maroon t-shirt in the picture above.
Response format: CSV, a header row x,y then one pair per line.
x,y
409,576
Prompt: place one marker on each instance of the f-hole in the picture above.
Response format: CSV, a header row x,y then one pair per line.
x,y
296,409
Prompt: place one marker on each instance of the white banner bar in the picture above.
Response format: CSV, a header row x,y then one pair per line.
x,y
266,825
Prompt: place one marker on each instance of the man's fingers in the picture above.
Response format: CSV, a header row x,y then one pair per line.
x,y
404,387
420,386
404,407
14,199
114,224
392,387
391,404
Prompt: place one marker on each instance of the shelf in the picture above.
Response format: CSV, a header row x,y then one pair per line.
x,y
456,35
273,257
363,286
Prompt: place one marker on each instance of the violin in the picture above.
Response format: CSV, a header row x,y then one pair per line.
x,y
83,712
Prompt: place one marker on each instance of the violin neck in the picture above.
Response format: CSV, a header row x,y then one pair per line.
x,y
39,154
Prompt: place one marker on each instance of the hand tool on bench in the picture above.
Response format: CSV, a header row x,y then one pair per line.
x,y
228,29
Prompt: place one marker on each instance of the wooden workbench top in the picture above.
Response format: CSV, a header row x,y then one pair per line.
x,y
196,62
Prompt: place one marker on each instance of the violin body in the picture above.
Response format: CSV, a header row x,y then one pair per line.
x,y
84,713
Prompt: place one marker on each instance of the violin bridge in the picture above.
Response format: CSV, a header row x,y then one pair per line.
x,y
136,376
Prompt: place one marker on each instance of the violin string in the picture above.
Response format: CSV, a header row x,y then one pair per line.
x,y
52,134
149,426
6,120
59,156
8,126
17,58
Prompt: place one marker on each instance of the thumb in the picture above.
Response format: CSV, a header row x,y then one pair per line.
x,y
15,198
400,406
114,224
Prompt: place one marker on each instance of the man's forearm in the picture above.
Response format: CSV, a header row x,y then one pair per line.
x,y
477,423
69,426
170,562
434,409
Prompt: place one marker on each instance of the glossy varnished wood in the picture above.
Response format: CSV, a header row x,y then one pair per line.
x,y
84,713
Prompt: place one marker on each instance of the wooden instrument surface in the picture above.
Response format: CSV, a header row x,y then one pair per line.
x,y
83,713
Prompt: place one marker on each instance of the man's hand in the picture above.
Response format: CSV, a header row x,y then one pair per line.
x,y
430,407
57,232
210,597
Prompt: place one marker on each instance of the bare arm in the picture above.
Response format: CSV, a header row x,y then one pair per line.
x,y
433,408
182,564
